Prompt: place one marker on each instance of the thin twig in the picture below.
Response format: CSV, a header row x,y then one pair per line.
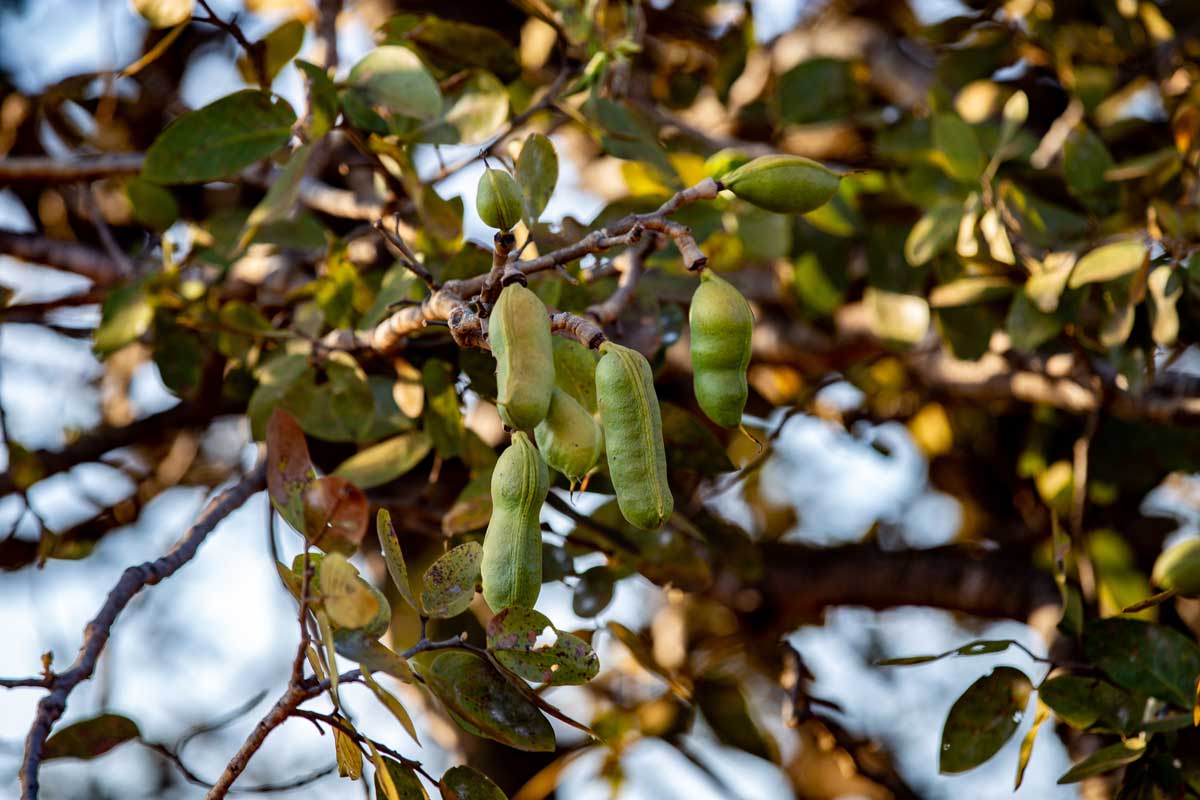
x,y
254,50
133,580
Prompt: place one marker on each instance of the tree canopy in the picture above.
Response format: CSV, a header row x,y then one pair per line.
x,y
474,238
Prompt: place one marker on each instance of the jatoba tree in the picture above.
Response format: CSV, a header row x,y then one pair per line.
x,y
986,223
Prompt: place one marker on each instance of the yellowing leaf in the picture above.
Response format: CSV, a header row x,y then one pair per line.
x,y
347,601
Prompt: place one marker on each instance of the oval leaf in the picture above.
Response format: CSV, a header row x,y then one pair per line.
x,y
164,13
400,783
1108,262
395,78
370,654
450,581
335,514
537,172
386,461
983,719
1105,760
513,635
220,139
482,702
1144,658
89,738
347,600
464,783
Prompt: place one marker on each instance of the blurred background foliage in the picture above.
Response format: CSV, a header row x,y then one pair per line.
x,y
974,370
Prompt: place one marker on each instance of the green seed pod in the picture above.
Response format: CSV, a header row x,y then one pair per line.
x,y
379,623
512,547
499,200
637,461
786,184
569,437
519,332
721,326
1178,568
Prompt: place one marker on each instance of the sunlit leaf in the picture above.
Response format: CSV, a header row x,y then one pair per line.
x,y
386,461
347,601
164,13
398,782
395,78
391,704
1108,262
349,757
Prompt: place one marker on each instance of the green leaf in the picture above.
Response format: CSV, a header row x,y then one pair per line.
x,y
478,108
386,461
957,149
1085,162
395,78
357,645
151,204
465,783
404,782
125,316
1082,701
485,704
443,417
220,139
275,379
1028,327
537,172
164,13
1108,262
394,557
179,354
1144,658
280,199
690,445
322,100
986,715
593,592
970,291
390,702
1105,760
724,706
454,45
513,635
449,583
933,234
817,90
89,738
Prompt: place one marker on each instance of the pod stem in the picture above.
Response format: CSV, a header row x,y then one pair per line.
x,y
757,442
1150,602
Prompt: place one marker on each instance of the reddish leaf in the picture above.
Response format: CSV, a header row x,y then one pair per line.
x,y
289,467
336,514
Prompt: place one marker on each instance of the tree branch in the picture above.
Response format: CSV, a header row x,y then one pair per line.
x,y
84,168
132,581
65,256
799,582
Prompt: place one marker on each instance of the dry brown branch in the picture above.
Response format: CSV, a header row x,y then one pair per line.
x,y
132,581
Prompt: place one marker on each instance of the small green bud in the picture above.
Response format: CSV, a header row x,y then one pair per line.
x,y
499,200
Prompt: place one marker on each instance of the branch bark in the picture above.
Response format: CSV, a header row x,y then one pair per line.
x,y
132,581
65,256
85,168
